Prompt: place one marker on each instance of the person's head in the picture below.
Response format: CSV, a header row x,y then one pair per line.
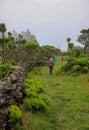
x,y
51,58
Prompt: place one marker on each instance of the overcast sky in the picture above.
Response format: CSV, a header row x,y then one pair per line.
x,y
51,21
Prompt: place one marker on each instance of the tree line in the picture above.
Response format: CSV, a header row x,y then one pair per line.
x,y
83,38
19,50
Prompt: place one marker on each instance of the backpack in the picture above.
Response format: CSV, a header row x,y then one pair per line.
x,y
50,64
53,61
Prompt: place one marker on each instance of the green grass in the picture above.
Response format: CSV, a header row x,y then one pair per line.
x,y
67,98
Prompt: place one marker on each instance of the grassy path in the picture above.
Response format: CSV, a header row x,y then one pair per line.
x,y
68,101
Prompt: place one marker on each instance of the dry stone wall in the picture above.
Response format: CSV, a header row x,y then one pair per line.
x,y
12,91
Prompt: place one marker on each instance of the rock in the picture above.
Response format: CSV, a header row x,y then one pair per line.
x,y
12,89
13,78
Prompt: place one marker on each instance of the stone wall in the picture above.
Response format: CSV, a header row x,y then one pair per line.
x,y
12,91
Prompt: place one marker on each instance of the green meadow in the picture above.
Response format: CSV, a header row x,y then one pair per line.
x,y
67,98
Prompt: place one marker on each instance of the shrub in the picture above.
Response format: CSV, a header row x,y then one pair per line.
x,y
31,45
4,69
11,45
35,104
76,68
30,93
67,66
82,61
85,69
34,85
77,52
15,113
34,90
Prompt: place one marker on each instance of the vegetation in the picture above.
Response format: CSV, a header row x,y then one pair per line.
x,y
33,85
33,100
76,68
84,39
4,69
14,113
67,101
85,69
22,51
35,104
76,64
2,29
52,102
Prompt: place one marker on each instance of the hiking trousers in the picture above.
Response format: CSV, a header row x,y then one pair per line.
x,y
51,70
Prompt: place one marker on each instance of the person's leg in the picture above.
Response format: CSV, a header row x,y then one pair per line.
x,y
51,68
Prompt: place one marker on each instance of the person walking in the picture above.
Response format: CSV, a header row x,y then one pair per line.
x,y
51,64
62,58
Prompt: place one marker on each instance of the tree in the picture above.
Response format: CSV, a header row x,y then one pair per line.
x,y
2,29
3,40
70,46
49,51
21,40
9,34
68,40
83,38
32,50
10,37
77,51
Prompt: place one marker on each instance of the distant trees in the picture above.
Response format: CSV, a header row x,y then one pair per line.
x,y
49,51
2,29
22,51
83,38
9,34
73,50
70,46
20,40
78,60
32,50
3,41
68,40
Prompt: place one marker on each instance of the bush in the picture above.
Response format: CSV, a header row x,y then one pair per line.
x,y
77,52
31,45
34,90
30,93
11,45
82,61
76,68
34,85
15,113
85,69
35,104
67,66
4,69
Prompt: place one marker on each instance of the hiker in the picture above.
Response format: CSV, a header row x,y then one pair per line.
x,y
62,58
51,64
